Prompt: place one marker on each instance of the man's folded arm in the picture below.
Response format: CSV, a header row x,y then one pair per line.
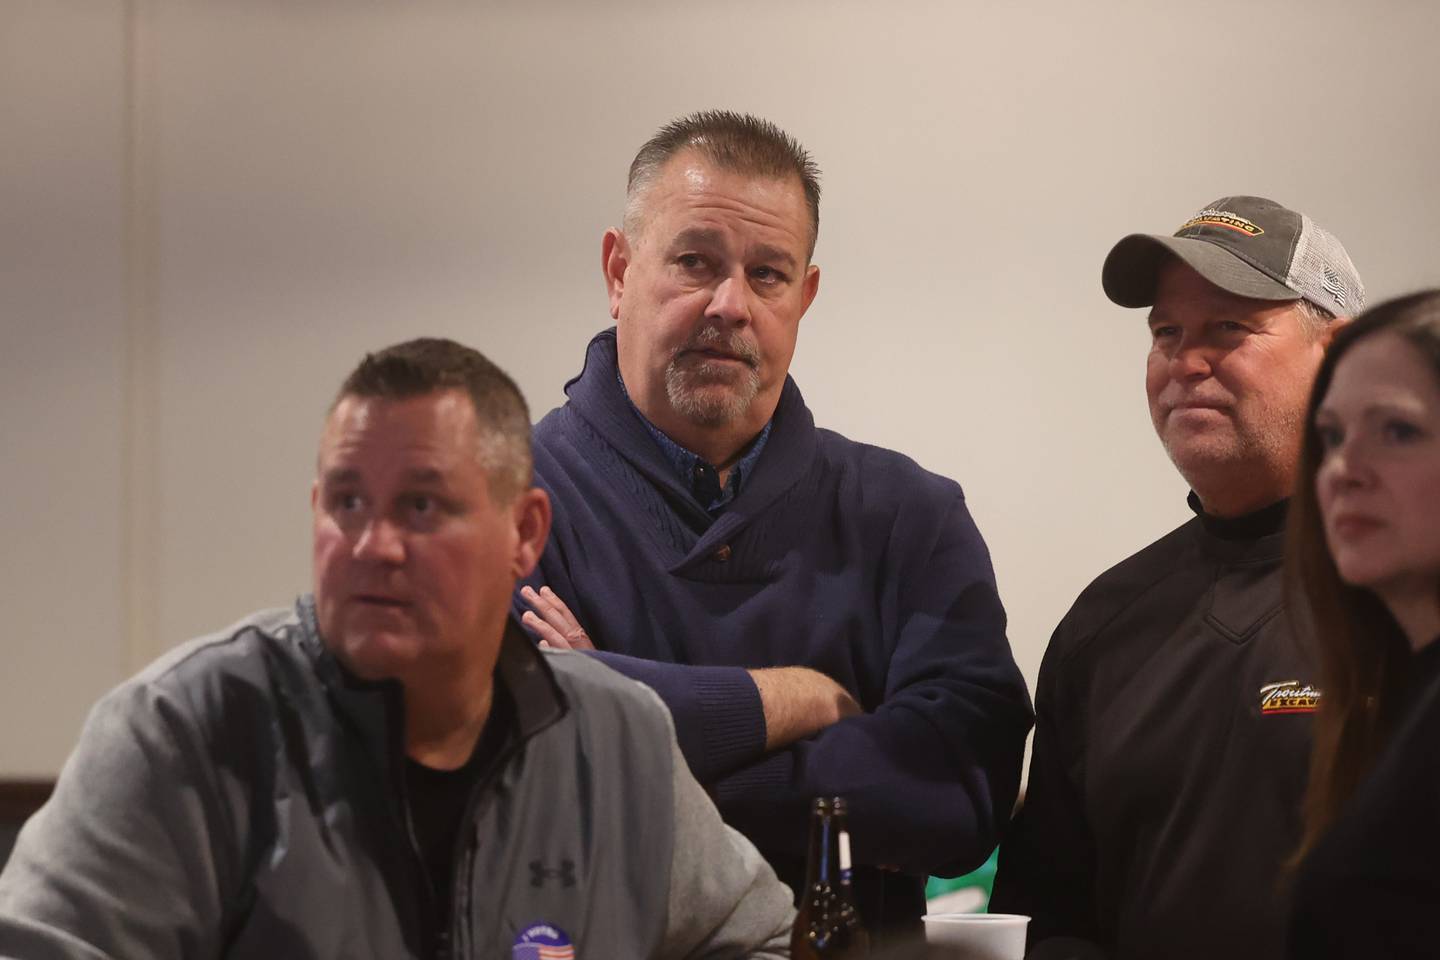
x,y
719,717
931,774
727,718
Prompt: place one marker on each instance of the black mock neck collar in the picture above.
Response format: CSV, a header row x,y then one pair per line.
x,y
1260,523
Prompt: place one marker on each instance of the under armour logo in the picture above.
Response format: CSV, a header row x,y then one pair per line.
x,y
539,873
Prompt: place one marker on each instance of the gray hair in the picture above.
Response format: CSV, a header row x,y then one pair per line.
x,y
431,364
1313,317
737,142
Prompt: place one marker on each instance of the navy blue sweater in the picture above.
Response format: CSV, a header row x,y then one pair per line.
x,y
838,556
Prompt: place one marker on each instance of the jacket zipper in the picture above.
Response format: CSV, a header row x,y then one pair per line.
x,y
467,844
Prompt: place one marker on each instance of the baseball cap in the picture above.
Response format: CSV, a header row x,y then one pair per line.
x,y
1251,247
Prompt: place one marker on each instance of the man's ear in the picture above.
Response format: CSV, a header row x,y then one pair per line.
x,y
810,288
1332,328
531,513
614,261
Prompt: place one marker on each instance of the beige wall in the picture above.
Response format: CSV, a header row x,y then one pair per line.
x,y
62,373
209,210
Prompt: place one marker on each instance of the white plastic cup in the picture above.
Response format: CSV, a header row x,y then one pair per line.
x,y
979,936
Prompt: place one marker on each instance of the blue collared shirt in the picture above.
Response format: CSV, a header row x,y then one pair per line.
x,y
698,474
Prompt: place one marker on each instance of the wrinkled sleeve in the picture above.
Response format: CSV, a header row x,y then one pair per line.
x,y
719,719
931,774
725,900
124,859
1047,864
932,770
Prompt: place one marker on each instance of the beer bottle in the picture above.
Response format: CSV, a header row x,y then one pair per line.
x,y
828,925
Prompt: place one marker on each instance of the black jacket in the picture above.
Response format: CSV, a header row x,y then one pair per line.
x,y
1168,765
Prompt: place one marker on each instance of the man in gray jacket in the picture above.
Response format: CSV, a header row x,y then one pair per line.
x,y
391,769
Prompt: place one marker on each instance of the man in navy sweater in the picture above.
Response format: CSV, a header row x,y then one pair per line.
x,y
820,615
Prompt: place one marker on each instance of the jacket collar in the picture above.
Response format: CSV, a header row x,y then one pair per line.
x,y
373,710
1255,536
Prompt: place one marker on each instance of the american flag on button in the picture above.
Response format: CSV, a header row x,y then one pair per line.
x,y
542,951
543,941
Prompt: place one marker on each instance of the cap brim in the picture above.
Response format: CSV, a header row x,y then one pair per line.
x,y
1133,268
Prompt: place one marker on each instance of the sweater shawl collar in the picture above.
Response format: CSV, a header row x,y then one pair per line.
x,y
597,397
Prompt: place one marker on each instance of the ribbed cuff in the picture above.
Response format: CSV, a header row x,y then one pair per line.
x,y
732,717
719,720
754,785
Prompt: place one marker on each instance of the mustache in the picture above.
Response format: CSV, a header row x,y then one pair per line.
x,y
711,337
1198,399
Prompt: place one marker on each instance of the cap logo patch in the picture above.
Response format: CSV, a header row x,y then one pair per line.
x,y
1288,696
1334,286
1221,218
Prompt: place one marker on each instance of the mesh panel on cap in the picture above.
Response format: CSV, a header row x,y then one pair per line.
x,y
1321,271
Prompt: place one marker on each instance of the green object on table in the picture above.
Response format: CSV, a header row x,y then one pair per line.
x,y
982,877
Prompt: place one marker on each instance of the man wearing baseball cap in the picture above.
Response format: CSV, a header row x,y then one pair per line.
x,y
1172,727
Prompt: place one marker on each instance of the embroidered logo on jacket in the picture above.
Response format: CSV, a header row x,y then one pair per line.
x,y
1288,696
539,873
542,941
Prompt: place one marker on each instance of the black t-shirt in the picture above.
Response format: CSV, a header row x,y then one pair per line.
x,y
1371,887
438,800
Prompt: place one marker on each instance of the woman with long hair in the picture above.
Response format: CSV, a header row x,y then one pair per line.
x,y
1363,572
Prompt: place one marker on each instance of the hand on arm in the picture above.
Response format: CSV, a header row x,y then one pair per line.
x,y
796,702
552,622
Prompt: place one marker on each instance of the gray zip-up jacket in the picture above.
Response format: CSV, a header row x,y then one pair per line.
x,y
242,798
